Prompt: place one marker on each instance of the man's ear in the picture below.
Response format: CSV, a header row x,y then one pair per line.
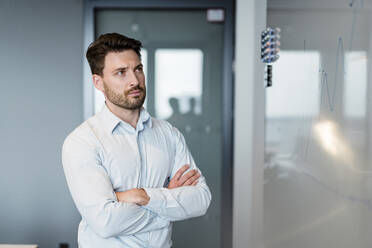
x,y
98,82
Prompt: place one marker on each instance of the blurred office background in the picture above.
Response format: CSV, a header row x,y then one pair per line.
x,y
288,165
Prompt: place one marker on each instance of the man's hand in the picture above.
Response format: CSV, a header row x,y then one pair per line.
x,y
137,196
190,178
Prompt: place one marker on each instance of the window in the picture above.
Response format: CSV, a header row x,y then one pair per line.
x,y
178,76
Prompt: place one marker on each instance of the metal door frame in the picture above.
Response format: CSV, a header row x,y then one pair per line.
x,y
228,81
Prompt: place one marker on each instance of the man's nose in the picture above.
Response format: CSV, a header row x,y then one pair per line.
x,y
133,80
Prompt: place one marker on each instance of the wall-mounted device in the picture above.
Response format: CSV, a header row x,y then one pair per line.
x,y
269,50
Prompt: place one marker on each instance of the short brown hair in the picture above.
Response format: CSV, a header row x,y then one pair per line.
x,y
110,42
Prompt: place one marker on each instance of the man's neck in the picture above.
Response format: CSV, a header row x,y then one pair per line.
x,y
127,115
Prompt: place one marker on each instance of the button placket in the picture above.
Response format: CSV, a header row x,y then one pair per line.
x,y
138,159
141,158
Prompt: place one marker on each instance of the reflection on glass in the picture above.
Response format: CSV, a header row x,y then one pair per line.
x,y
178,81
295,87
99,98
355,84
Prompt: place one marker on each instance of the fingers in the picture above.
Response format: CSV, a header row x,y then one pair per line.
x,y
195,183
192,180
189,176
184,179
180,172
174,182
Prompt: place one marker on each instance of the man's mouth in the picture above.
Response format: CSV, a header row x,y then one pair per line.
x,y
135,93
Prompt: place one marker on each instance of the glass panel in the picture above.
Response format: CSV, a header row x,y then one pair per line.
x,y
317,175
175,69
99,98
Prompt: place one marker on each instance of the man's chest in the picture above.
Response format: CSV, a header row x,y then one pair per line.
x,y
137,160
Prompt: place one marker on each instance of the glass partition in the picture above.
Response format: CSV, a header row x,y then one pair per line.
x,y
318,170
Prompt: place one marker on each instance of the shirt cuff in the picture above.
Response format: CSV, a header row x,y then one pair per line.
x,y
156,199
160,198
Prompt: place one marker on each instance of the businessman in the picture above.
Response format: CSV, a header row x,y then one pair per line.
x,y
129,174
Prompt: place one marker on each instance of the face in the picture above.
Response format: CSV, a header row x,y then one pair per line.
x,y
123,80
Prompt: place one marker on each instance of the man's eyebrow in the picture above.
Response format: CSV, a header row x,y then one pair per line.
x,y
126,68
139,65
120,69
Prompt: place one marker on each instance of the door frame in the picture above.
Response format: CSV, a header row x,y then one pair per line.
x,y
90,6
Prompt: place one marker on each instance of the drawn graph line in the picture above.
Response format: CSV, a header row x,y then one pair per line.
x,y
324,77
302,147
354,5
306,130
340,57
327,91
325,86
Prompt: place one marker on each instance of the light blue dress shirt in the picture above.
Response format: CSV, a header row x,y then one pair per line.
x,y
105,155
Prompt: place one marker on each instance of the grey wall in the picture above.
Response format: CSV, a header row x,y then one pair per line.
x,y
41,51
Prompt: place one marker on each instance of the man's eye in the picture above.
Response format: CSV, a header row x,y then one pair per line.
x,y
120,73
139,69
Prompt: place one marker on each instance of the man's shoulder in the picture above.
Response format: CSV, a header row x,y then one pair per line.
x,y
159,122
163,125
83,134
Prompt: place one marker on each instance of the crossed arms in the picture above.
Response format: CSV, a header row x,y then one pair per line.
x,y
140,197
110,213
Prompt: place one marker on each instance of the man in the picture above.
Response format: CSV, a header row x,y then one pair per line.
x,y
130,175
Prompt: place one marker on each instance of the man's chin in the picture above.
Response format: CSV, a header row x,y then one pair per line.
x,y
135,105
131,106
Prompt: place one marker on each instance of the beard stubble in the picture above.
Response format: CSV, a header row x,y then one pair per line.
x,y
125,101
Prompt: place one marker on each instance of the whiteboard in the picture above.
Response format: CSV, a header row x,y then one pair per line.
x,y
318,167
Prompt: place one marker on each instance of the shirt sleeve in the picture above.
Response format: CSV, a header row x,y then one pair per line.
x,y
94,197
182,202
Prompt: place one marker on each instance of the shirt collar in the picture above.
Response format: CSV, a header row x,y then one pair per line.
x,y
111,121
